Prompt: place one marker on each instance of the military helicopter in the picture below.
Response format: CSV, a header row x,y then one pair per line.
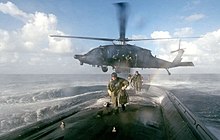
x,y
122,56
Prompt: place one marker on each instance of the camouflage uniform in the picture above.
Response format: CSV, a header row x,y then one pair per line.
x,y
130,81
137,82
118,95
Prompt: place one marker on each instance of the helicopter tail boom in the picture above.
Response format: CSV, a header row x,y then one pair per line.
x,y
181,64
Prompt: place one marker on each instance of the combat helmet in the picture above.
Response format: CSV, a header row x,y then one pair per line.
x,y
114,74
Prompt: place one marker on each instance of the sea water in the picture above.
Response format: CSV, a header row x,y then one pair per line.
x,y
25,99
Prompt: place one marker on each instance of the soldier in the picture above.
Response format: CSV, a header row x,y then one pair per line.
x,y
116,89
137,81
130,81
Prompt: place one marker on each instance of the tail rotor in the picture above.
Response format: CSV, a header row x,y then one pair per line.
x,y
182,49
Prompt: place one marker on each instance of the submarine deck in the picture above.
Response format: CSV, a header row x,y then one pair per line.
x,y
137,122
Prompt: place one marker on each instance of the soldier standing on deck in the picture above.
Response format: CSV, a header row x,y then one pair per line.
x,y
130,81
116,89
137,81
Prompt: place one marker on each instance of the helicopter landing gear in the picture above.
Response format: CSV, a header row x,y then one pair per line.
x,y
168,72
104,68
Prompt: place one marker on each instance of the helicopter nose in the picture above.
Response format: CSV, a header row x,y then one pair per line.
x,y
77,56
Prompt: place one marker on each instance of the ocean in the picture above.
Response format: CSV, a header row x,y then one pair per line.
x,y
25,99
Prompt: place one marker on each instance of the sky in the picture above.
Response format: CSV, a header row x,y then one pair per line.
x,y
25,26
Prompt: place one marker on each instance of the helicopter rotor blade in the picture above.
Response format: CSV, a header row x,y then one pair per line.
x,y
168,38
79,37
122,17
122,40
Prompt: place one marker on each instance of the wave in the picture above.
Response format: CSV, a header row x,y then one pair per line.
x,y
21,110
48,95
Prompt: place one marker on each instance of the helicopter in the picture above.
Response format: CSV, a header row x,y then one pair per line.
x,y
122,56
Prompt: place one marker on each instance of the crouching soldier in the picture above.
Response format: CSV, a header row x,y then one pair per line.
x,y
116,89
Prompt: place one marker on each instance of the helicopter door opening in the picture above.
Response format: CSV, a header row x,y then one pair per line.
x,y
141,58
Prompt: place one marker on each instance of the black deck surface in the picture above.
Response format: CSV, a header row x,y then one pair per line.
x,y
137,122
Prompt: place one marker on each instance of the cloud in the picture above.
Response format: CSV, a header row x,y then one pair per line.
x,y
11,9
187,31
4,35
194,17
57,45
31,43
160,34
209,45
9,58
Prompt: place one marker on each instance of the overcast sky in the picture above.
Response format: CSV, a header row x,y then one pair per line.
x,y
25,45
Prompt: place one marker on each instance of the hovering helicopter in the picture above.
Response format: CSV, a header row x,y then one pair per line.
x,y
122,56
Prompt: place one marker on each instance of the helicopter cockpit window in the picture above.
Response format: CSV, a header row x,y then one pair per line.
x,y
96,52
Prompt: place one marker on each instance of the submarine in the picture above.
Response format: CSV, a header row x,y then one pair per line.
x,y
153,114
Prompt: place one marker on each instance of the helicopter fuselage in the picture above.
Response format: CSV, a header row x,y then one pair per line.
x,y
122,56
